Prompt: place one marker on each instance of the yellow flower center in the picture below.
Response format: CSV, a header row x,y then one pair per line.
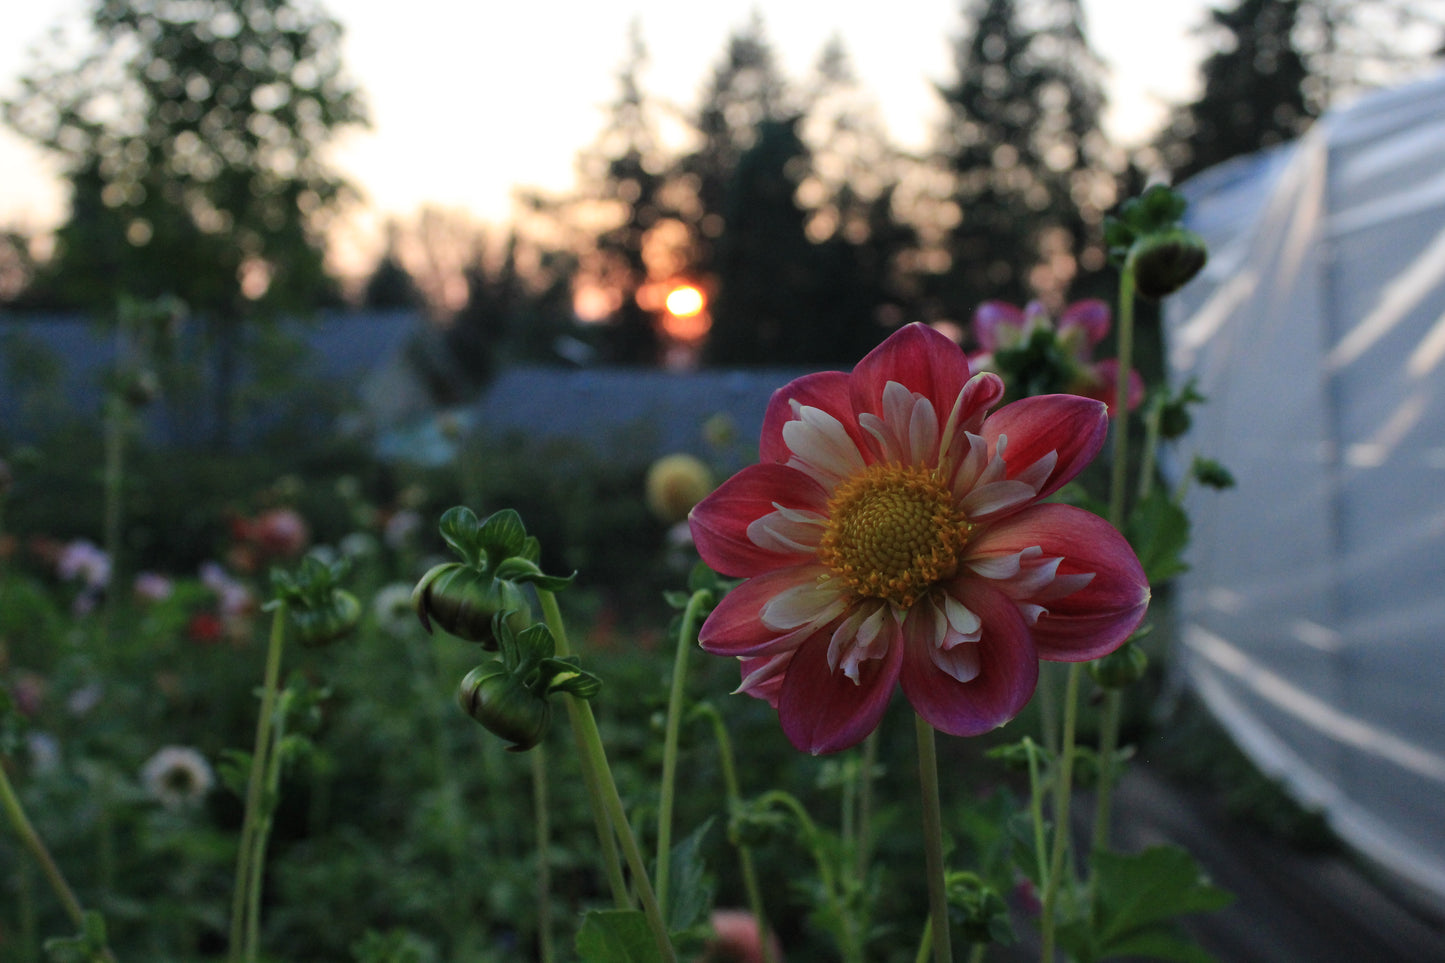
x,y
893,533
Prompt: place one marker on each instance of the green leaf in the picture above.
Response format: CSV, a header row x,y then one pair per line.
x,y
690,890
1160,944
503,534
616,936
1139,892
461,530
1158,529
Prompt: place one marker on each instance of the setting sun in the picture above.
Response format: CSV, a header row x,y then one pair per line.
x,y
685,301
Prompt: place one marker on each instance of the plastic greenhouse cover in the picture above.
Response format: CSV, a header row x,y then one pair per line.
x,y
1313,616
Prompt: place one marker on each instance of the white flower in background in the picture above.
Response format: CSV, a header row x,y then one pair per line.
x,y
177,777
235,598
152,587
393,609
400,528
358,545
82,559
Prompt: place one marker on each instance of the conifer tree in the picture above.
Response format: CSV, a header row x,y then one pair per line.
x,y
1022,146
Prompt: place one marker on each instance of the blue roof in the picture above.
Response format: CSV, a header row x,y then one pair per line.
x,y
53,369
636,414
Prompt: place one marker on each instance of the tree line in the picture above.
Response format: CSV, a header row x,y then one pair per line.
x,y
190,137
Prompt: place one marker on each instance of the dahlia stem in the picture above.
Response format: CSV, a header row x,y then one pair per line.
x,y
1063,790
1109,724
262,833
933,840
686,636
1108,749
606,839
543,825
584,725
15,813
245,865
864,839
1117,477
734,801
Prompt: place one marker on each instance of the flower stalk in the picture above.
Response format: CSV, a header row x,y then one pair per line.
x,y
604,793
686,638
247,869
15,815
933,841
732,788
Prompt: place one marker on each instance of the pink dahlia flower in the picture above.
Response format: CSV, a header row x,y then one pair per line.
x,y
1006,341
894,533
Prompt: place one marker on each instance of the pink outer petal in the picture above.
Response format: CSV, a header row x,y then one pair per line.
x,y
1103,385
1075,427
988,317
825,390
735,626
1008,673
719,522
825,711
1092,315
1096,619
918,357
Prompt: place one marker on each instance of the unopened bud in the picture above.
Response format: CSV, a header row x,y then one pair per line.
x,y
1121,668
1165,261
503,704
463,601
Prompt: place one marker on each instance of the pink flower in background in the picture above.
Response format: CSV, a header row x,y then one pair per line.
x,y
737,938
894,534
1037,355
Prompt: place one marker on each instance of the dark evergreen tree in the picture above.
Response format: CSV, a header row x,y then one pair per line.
x,y
1254,90
1023,146
391,286
766,307
191,136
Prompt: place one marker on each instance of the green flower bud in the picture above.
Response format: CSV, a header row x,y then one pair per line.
x,y
1164,261
503,703
1121,668
1211,473
977,910
323,624
464,600
319,609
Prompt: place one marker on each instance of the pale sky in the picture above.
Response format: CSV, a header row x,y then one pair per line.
x,y
439,74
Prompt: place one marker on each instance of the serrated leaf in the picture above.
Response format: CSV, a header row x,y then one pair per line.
x,y
690,891
1158,530
1160,944
1137,892
616,936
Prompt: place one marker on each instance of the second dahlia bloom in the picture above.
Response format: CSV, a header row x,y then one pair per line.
x,y
1037,355
894,533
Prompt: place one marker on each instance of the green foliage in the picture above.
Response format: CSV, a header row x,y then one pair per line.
x,y
1137,899
616,936
1158,529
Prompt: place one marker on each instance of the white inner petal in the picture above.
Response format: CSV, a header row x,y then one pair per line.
x,y
961,619
995,497
787,530
821,446
961,662
923,433
1037,474
810,602
859,637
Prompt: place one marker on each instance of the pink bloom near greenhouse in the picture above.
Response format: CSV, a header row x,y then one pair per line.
x,y
894,534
